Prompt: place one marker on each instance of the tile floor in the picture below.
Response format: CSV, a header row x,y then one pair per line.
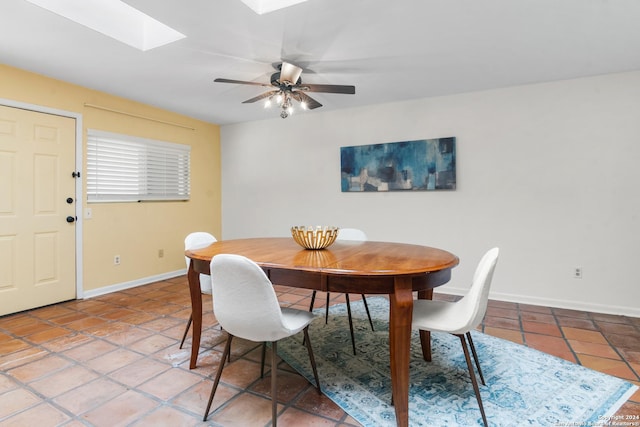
x,y
114,361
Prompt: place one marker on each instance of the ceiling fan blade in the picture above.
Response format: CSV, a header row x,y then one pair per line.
x,y
309,101
241,82
346,89
290,73
259,97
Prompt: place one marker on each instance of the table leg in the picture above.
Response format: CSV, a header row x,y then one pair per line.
x,y
196,313
400,315
425,336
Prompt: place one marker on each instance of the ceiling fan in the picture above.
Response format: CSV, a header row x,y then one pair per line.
x,y
287,86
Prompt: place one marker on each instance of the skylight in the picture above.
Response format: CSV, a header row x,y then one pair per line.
x,y
115,19
266,6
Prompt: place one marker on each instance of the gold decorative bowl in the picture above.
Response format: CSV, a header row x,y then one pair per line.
x,y
314,237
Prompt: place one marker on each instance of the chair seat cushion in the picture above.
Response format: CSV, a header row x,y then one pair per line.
x,y
296,320
440,316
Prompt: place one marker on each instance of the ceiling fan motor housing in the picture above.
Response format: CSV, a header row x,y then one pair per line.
x,y
275,80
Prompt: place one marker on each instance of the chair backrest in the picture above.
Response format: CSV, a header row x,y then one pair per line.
x,y
244,301
197,240
351,234
474,303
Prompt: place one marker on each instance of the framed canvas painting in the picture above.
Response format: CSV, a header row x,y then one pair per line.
x,y
426,164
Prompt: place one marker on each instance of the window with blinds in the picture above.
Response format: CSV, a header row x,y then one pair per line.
x,y
122,168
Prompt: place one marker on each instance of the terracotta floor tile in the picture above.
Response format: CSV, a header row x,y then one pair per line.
x,y
5,337
320,404
153,344
72,316
29,328
118,313
571,313
41,415
159,325
245,410
535,309
240,373
612,367
507,334
551,345
583,335
195,399
616,328
121,411
537,317
49,334
128,336
90,395
541,328
19,358
37,369
91,350
138,372
626,342
17,400
51,312
165,416
63,380
293,417
7,384
289,385
113,360
67,342
86,323
600,350
503,313
502,323
576,323
139,318
13,345
170,383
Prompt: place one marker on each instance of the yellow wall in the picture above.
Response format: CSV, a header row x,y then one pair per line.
x,y
135,231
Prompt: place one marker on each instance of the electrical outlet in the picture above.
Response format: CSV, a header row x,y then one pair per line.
x,y
116,260
577,273
160,253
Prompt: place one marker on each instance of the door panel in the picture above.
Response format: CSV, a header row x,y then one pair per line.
x,y
37,244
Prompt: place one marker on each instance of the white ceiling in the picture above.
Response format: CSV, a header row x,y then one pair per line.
x,y
390,50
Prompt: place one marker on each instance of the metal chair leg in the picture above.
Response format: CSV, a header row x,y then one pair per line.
x,y
225,354
475,357
474,381
274,386
186,330
366,307
353,338
311,358
264,351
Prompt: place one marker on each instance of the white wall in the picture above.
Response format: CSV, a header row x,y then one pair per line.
x,y
547,172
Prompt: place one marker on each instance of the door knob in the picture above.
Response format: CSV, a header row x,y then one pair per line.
x,y
69,200
70,219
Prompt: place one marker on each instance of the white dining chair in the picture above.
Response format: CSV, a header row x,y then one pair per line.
x,y
353,234
197,240
461,317
247,307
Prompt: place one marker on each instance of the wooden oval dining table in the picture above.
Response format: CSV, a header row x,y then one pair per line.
x,y
394,269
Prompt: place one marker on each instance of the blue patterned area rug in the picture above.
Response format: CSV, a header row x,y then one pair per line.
x,y
525,387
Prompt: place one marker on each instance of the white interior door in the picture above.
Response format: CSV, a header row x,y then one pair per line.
x,y
37,209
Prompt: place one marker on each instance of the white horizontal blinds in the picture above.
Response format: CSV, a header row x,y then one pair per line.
x,y
125,168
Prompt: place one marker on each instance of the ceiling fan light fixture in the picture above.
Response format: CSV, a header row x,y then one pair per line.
x,y
265,6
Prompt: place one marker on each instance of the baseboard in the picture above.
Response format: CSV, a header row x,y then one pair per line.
x,y
132,284
549,302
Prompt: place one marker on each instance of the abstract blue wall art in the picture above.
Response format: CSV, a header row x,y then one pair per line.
x,y
427,164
